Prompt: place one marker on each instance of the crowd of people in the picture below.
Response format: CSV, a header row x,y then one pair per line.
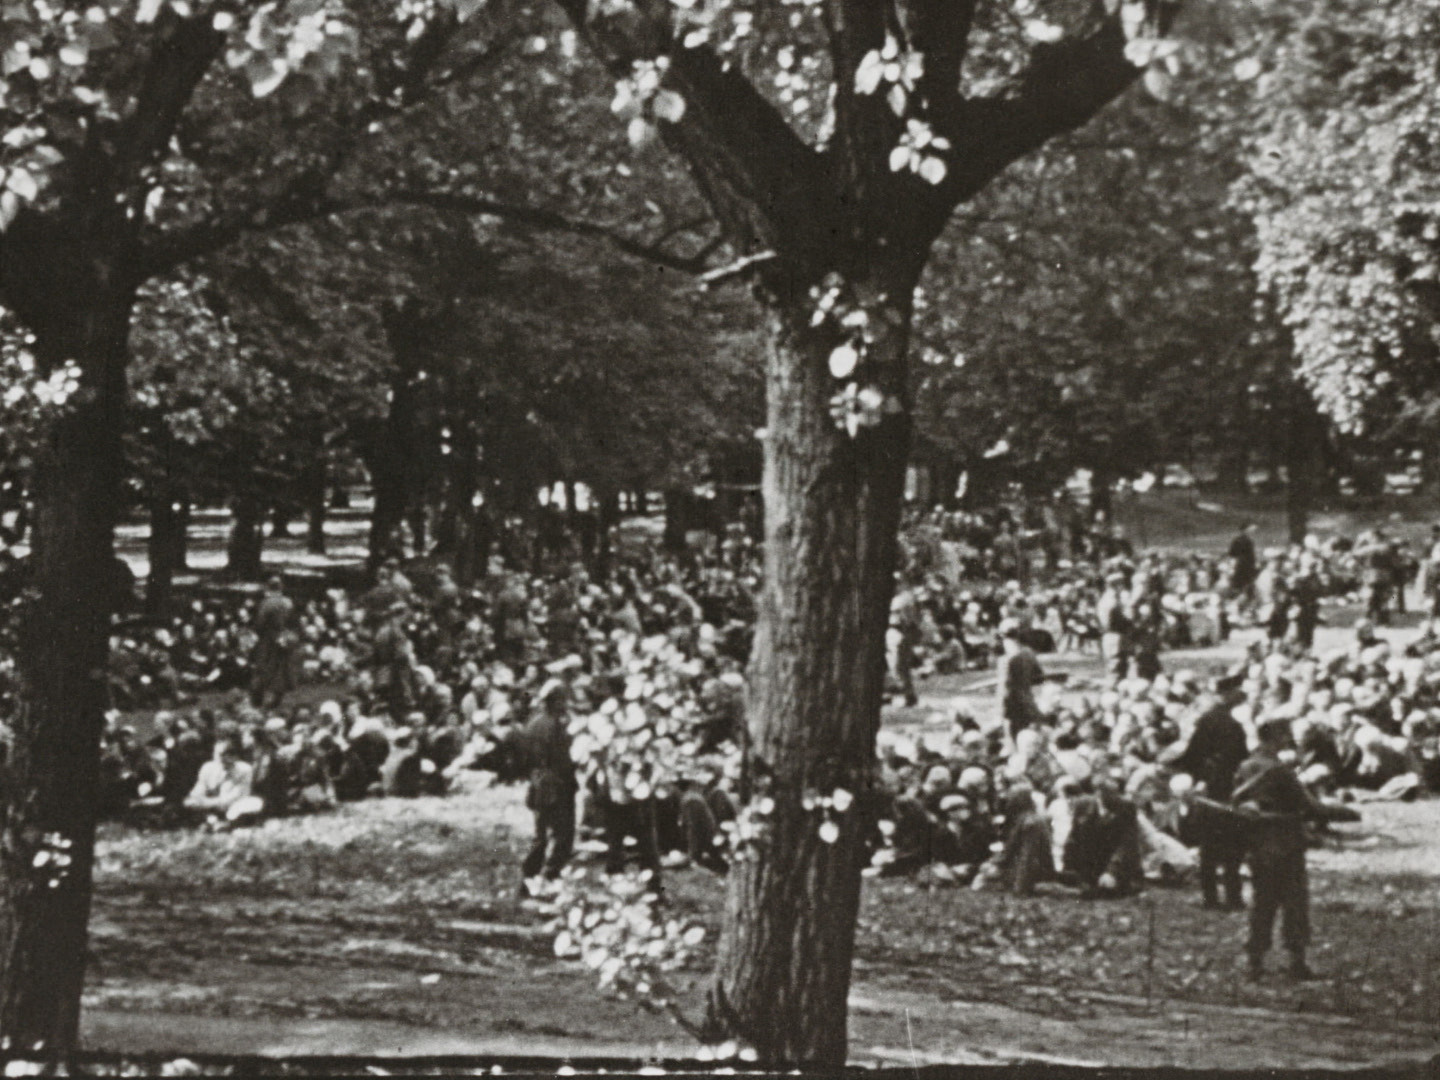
x,y
631,692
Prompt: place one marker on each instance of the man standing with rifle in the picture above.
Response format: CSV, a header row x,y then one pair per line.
x,y
1270,793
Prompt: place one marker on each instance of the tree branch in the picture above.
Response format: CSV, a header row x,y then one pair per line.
x,y
1063,87
177,63
765,185
180,246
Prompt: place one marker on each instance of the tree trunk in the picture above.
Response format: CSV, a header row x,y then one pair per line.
x,y
1233,470
417,519
461,517
166,550
315,506
52,773
832,510
281,515
677,519
607,513
1304,451
246,544
1101,495
947,472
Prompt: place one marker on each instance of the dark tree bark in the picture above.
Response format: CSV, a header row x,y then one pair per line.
x,y
245,546
417,518
832,502
1304,462
281,515
1233,473
459,536
316,508
816,682
169,521
54,759
677,519
394,445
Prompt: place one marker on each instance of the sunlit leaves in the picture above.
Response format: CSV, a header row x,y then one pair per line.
x,y
1344,187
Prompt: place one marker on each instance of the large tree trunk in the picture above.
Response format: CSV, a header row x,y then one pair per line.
x,y
53,769
832,509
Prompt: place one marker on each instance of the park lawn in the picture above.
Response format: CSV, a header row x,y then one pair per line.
x,y
403,915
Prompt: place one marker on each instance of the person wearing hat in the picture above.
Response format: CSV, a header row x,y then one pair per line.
x,y
1114,622
1268,789
1019,673
272,662
1243,564
392,661
1210,755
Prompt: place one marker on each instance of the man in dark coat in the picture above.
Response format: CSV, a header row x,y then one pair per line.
x,y
1242,559
273,661
1018,674
1211,754
540,749
1268,790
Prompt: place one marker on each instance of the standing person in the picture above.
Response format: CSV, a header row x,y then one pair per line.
x,y
1305,590
1115,627
1019,673
392,662
272,663
543,744
1269,789
1431,571
904,635
1244,565
1376,558
1214,750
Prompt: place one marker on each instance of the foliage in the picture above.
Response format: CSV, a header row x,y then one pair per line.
x,y
1342,184
1097,309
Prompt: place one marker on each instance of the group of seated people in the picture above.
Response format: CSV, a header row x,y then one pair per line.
x,y
437,680
235,764
1109,790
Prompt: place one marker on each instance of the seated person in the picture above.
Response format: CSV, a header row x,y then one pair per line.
x,y
223,789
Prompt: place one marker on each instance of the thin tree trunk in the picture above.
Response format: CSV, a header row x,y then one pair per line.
x,y
461,513
244,549
677,518
281,515
833,507
1304,449
607,512
165,548
315,506
1233,471
52,772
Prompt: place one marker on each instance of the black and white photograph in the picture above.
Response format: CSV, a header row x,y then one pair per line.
x,y
577,537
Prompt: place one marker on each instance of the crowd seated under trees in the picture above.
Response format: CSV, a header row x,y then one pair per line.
x,y
644,670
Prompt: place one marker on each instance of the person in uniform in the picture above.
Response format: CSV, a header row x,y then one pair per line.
x,y
1268,789
273,660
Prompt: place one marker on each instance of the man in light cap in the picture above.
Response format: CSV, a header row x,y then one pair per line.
x,y
1269,790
